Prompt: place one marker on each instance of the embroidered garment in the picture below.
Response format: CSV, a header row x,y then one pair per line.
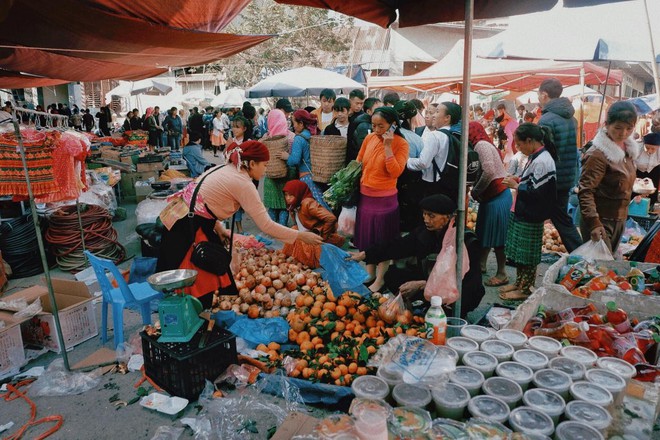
x,y
38,148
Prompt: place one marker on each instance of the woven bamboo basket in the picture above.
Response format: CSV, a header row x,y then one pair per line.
x,y
328,156
276,168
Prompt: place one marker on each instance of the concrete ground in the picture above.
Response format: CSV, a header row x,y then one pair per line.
x,y
91,415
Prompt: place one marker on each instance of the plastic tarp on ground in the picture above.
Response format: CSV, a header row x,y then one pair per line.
x,y
419,12
105,36
514,75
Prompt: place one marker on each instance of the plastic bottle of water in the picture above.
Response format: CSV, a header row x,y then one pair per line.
x,y
436,322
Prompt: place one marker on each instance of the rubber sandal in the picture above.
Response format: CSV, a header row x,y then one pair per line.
x,y
514,295
495,282
508,288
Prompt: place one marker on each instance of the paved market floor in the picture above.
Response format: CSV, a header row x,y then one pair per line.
x,y
91,415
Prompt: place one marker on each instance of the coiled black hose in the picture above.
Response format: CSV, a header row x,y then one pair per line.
x,y
18,244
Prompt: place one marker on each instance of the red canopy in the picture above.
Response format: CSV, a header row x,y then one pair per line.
x,y
17,80
419,12
99,39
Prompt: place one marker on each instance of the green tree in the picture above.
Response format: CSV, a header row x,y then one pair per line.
x,y
302,37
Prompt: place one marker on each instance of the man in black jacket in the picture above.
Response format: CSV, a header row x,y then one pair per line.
x,y
359,128
421,243
195,121
557,115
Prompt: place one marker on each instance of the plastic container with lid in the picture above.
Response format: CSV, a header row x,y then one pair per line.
x,y
477,333
579,354
545,401
390,374
408,421
484,362
469,378
532,358
514,337
519,373
618,366
449,429
607,379
370,387
553,380
370,418
548,346
489,408
462,345
571,430
501,350
592,393
406,394
449,351
569,366
593,415
531,421
503,388
451,401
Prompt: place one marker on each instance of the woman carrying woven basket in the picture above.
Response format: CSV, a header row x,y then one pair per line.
x,y
273,195
304,126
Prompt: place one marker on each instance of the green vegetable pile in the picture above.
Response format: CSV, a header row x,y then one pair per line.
x,y
344,186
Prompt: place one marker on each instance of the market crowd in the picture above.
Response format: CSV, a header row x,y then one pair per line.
x,y
525,168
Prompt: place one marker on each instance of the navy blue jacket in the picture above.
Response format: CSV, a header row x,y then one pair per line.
x,y
558,116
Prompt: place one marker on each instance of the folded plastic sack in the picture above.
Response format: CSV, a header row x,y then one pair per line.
x,y
261,331
342,274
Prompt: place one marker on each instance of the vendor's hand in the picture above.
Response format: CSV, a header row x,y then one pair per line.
x,y
638,199
411,287
598,233
356,256
282,155
387,137
221,231
310,238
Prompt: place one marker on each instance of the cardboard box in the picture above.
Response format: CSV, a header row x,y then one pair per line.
x,y
76,311
296,423
152,166
128,181
12,353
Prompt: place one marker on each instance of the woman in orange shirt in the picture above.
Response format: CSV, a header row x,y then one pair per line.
x,y
383,154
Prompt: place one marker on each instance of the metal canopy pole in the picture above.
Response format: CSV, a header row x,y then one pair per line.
x,y
462,163
42,251
654,64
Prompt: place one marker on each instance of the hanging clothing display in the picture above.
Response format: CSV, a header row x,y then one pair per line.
x,y
39,158
68,168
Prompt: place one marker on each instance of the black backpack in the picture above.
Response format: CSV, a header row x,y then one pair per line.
x,y
449,175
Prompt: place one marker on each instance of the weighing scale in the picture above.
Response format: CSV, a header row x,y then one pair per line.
x,y
178,312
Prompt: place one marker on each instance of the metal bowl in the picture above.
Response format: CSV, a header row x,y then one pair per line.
x,y
172,279
161,186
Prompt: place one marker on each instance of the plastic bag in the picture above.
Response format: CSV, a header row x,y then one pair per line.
x,y
594,250
340,273
29,311
56,381
148,210
346,221
414,360
442,280
167,433
262,331
102,195
393,309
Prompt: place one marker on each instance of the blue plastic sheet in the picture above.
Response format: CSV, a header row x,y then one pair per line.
x,y
340,273
261,331
311,393
226,318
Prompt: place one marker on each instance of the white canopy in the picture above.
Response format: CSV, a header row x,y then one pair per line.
x,y
304,81
615,31
230,98
569,92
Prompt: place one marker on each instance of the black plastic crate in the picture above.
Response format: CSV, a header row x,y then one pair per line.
x,y
181,369
646,221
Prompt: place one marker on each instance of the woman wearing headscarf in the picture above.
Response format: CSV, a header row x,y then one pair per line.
x,y
648,162
494,203
304,126
223,191
383,154
308,215
151,124
273,196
